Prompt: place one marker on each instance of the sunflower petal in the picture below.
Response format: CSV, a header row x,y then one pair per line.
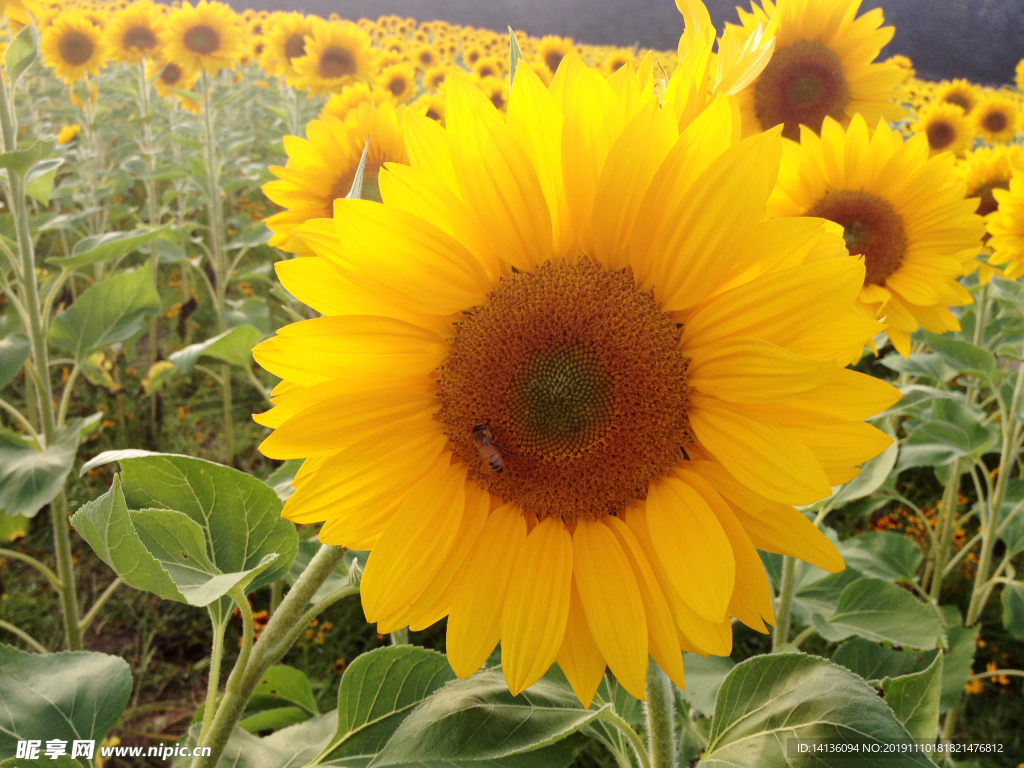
x,y
579,657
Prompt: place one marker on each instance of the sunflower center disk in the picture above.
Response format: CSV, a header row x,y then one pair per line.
x,y
337,62
802,84
580,382
940,135
140,37
871,227
170,74
202,39
988,200
76,49
295,47
995,122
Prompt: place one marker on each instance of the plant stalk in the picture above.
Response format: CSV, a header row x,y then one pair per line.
x,y
660,709
780,634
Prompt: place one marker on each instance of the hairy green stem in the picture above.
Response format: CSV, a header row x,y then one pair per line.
x,y
213,684
947,516
660,709
400,636
780,634
609,716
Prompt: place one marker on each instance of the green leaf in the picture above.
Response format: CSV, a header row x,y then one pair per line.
x,y
1012,599
873,662
515,53
478,719
291,747
703,679
20,161
254,235
179,546
959,658
915,699
872,475
962,355
110,245
272,719
919,364
283,685
879,610
240,515
234,347
821,595
767,700
883,555
30,478
44,762
64,696
12,527
21,53
107,312
951,430
14,351
281,478
39,182
1013,535
340,577
1010,290
159,373
377,692
355,192
253,311
107,526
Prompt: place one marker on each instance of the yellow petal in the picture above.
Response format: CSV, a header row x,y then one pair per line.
x,y
661,628
758,453
427,145
771,526
474,623
413,547
841,445
746,370
536,605
612,603
579,657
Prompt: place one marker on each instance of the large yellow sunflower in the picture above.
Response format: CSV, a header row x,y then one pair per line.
x,y
399,80
72,46
568,379
351,96
207,36
824,66
172,79
962,93
337,54
989,168
1006,228
902,213
321,167
946,127
135,32
995,118
285,42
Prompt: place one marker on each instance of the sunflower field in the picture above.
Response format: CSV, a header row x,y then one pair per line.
x,y
400,393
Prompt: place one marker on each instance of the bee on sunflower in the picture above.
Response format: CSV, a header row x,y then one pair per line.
x,y
563,397
73,47
208,36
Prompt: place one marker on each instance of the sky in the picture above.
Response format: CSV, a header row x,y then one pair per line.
x,y
981,40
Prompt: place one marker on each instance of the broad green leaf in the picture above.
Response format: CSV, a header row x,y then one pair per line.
x,y
515,53
30,478
951,431
107,526
21,53
962,355
883,555
39,182
1012,599
110,245
108,457
272,719
14,351
1010,290
872,475
703,679
59,696
159,373
767,700
281,478
234,347
12,527
821,595
291,747
355,192
254,311
280,685
254,235
873,662
914,699
107,312
478,719
177,542
919,364
96,369
879,610
20,161
240,515
1013,535
959,659
377,693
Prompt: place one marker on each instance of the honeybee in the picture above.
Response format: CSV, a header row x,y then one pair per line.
x,y
489,452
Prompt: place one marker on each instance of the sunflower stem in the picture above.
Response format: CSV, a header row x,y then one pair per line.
x,y
400,636
786,588
660,708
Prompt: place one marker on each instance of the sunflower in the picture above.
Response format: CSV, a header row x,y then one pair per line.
x,y
1020,75
989,168
904,63
902,213
206,36
563,387
285,43
487,66
962,93
616,60
425,57
430,105
551,49
823,66
321,167
19,13
170,78
496,91
73,47
135,32
433,78
351,96
1006,227
946,127
471,53
337,53
69,133
399,80
995,119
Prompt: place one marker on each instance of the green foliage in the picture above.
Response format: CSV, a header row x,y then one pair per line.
x,y
879,610
110,245
914,699
233,347
14,351
60,696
